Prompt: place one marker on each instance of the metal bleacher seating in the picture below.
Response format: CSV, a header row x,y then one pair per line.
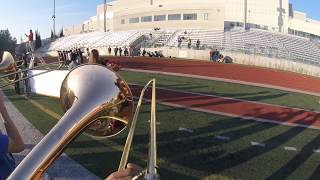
x,y
253,41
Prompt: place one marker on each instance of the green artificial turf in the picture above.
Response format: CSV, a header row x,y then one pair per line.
x,y
194,155
244,92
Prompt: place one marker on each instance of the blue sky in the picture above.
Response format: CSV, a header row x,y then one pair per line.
x,y
21,15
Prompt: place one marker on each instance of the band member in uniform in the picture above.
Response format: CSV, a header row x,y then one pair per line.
x,y
9,143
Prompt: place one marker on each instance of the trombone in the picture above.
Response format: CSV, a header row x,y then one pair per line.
x,y
10,67
102,114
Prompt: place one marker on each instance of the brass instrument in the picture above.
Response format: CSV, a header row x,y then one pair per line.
x,y
9,66
96,101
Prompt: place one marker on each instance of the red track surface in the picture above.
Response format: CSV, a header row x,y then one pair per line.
x,y
227,106
226,71
236,108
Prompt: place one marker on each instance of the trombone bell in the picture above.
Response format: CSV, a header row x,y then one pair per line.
x,y
110,93
8,65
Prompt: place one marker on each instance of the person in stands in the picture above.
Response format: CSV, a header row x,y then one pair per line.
x,y
109,50
120,51
126,52
116,51
198,43
211,55
94,57
88,54
30,41
144,52
179,41
189,43
9,143
216,55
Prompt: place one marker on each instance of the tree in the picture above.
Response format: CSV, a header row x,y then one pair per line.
x,y
61,33
38,42
7,42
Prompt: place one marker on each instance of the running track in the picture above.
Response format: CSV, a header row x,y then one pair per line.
x,y
228,106
226,72
235,108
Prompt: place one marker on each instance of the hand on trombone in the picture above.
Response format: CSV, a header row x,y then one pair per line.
x,y
130,172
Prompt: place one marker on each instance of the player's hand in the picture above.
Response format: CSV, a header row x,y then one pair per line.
x,y
127,174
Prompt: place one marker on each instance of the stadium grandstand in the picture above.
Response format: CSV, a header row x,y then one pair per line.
x,y
265,28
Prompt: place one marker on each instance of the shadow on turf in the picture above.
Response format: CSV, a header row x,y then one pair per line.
x,y
289,168
109,160
198,150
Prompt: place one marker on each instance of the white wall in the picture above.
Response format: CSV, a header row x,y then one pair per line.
x,y
246,59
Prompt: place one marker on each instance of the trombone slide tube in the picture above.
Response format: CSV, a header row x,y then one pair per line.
x,y
127,146
53,144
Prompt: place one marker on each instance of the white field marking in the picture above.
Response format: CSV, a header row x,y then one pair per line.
x,y
224,138
158,123
185,130
225,80
316,150
257,144
287,148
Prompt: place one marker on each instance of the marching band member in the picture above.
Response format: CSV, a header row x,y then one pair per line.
x,y
10,143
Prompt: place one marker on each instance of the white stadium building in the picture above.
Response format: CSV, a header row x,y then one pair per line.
x,y
263,33
272,15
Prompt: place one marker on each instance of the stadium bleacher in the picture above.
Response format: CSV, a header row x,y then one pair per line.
x,y
253,41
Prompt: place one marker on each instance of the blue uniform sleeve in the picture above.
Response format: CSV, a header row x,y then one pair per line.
x,y
4,143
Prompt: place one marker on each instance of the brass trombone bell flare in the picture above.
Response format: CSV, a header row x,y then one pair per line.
x,y
8,65
112,93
